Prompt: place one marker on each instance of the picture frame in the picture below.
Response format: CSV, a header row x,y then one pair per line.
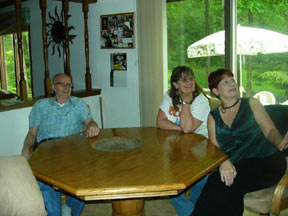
x,y
118,74
118,61
117,31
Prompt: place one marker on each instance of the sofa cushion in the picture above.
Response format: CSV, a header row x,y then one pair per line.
x,y
19,190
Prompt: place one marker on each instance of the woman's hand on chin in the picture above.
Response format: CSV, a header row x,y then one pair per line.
x,y
187,97
227,172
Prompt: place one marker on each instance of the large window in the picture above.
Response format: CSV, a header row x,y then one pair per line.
x,y
190,21
10,67
269,71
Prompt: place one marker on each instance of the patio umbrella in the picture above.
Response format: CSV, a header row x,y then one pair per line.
x,y
250,41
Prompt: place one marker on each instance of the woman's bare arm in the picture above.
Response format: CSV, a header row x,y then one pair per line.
x,y
164,123
266,124
188,123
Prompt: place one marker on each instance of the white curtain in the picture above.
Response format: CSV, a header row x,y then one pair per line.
x,y
152,42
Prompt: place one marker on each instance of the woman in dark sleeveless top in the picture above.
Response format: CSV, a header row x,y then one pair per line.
x,y
244,131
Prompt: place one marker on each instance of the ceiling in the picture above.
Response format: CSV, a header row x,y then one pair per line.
x,y
4,3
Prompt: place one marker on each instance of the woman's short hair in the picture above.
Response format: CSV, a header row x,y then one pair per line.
x,y
215,77
177,73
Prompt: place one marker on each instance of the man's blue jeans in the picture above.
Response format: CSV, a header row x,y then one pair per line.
x,y
185,207
52,200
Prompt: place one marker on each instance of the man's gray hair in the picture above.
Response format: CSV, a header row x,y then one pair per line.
x,y
60,74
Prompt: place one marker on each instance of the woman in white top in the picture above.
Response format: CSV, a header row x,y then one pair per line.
x,y
185,108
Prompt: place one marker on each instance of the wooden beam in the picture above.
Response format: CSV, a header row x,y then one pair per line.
x,y
5,3
47,80
169,1
3,66
86,36
81,1
65,8
23,83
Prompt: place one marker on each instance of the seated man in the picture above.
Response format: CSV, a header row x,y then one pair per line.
x,y
56,117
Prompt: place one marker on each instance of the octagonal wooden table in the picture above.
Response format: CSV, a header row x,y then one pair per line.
x,y
165,163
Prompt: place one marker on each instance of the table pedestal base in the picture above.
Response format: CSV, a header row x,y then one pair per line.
x,y
131,207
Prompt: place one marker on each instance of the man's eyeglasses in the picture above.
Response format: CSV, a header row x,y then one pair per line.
x,y
63,84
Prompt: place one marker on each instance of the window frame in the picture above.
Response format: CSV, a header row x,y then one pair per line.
x,y
3,69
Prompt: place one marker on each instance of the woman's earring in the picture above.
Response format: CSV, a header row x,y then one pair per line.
x,y
218,95
177,92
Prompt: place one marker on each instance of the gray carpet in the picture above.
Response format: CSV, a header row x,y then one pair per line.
x,y
153,207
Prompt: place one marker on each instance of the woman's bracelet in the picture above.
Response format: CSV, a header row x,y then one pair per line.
x,y
185,102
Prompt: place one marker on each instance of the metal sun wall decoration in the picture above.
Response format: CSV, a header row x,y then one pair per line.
x,y
56,32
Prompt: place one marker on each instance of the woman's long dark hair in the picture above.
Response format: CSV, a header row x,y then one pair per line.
x,y
177,73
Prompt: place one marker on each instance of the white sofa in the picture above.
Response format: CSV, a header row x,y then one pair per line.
x,y
19,191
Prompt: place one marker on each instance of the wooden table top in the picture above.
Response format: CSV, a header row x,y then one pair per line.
x,y
166,163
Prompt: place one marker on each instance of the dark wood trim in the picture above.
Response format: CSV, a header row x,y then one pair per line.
x,y
5,3
47,80
31,63
81,1
23,82
85,8
2,66
31,102
65,8
169,1
83,93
